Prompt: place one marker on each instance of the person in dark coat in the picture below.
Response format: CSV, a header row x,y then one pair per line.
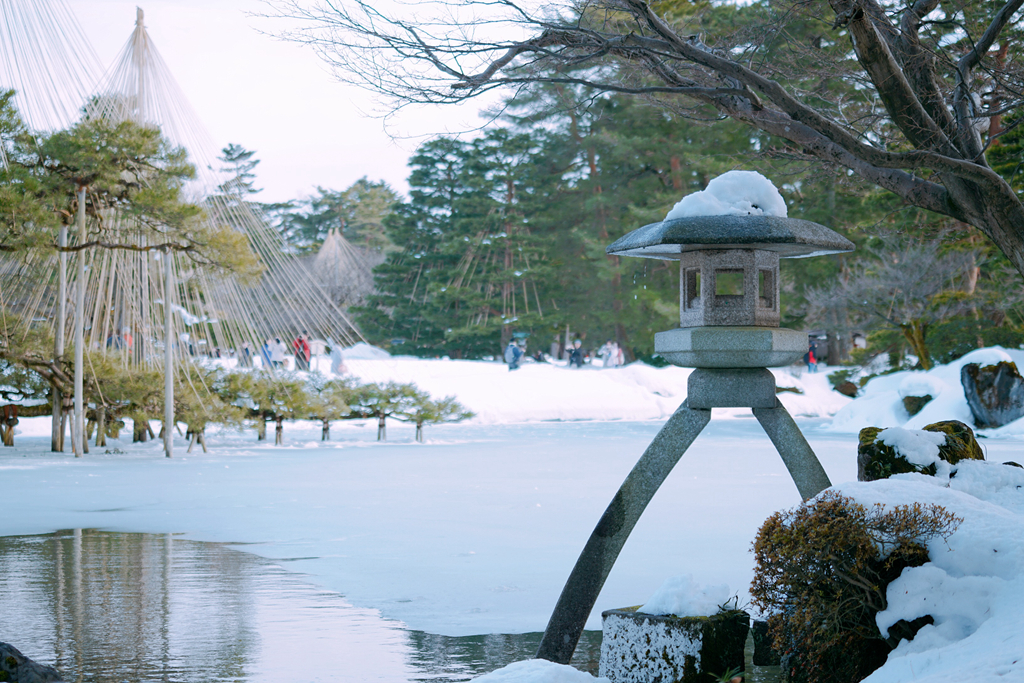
x,y
513,354
576,355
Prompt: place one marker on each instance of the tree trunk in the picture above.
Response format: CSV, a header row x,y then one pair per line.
x,y
834,348
914,332
325,434
419,432
140,431
101,425
202,439
279,431
382,431
191,442
65,409
8,419
57,424
261,427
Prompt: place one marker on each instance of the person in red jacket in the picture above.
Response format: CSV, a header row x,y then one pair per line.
x,y
301,346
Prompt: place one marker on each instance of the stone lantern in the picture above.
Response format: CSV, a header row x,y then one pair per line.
x,y
729,332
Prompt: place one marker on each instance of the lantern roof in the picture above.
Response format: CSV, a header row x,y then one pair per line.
x,y
789,237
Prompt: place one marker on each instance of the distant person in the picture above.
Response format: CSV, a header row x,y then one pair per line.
x,y
513,354
277,352
611,354
129,341
301,348
576,355
267,353
337,360
812,362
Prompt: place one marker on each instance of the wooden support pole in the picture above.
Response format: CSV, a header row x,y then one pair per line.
x,y
79,425
168,357
57,431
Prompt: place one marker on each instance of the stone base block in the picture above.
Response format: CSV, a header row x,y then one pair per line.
x,y
709,388
731,347
638,648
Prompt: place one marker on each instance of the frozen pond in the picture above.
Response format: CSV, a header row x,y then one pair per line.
x,y
108,607
355,552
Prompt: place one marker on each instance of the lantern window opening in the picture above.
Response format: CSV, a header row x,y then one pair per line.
x,y
766,288
691,288
729,286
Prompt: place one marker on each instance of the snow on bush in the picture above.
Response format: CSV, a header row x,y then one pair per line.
x,y
920,448
973,584
921,384
538,671
681,596
735,193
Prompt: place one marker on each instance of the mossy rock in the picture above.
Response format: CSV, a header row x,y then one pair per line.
x,y
875,460
914,404
995,393
847,388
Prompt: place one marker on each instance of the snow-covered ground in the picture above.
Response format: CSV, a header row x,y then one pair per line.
x,y
546,391
476,530
880,403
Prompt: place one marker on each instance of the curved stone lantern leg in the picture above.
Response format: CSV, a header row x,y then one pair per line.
x,y
595,563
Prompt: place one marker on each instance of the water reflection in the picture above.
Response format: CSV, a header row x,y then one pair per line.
x,y
110,607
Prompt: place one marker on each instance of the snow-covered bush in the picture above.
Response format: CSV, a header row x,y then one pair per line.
x,y
821,573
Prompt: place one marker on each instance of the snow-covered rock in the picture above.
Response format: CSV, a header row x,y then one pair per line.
x,y
880,403
538,671
681,596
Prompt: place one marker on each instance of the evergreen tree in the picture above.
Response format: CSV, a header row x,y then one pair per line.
x,y
239,166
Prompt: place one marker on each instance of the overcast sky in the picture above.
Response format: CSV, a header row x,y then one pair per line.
x,y
271,96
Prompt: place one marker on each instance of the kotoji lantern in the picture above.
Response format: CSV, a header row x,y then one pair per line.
x,y
729,332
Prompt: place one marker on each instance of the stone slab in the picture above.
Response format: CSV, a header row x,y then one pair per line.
x,y
789,237
730,388
731,347
638,648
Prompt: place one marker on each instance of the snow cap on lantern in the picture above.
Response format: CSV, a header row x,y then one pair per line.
x,y
728,240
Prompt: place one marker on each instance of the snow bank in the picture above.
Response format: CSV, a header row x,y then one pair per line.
x,y
538,671
973,585
553,392
364,351
683,597
735,193
880,403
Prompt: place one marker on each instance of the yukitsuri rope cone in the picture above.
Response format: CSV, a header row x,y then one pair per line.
x,y
49,61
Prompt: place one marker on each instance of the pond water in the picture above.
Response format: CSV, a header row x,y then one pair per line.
x,y
107,607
